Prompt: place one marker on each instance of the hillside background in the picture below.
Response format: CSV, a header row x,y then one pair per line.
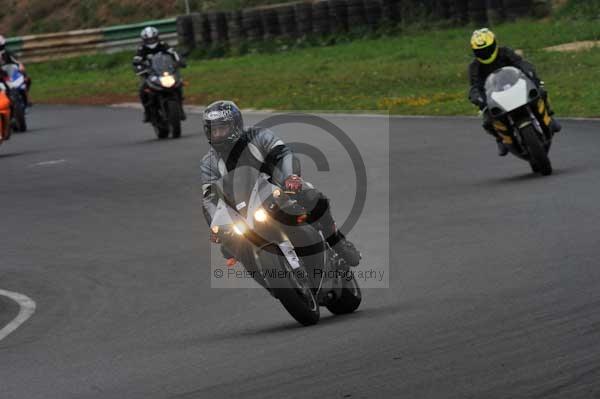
x,y
21,17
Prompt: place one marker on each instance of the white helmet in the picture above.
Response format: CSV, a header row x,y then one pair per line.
x,y
150,37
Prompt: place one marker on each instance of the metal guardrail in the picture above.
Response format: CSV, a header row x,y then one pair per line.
x,y
36,48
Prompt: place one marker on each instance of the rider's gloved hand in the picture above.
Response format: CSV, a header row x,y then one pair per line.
x,y
480,102
214,238
293,183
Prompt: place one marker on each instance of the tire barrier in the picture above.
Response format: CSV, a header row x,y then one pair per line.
x,y
477,10
304,18
270,23
218,27
390,10
338,10
286,17
287,20
321,19
373,14
235,28
252,23
514,9
356,14
495,11
461,12
185,30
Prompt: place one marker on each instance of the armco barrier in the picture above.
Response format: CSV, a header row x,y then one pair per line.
x,y
324,17
35,48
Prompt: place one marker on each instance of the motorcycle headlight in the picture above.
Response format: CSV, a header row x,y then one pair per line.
x,y
239,229
167,81
260,215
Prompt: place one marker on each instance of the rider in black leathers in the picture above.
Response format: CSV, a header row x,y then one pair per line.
x,y
223,125
151,45
489,57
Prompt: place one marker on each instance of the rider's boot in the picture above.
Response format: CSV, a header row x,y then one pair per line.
x,y
502,149
146,114
345,249
555,126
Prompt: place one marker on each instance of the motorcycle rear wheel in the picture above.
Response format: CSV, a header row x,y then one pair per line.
x,y
349,301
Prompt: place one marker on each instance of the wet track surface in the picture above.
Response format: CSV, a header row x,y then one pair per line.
x,y
493,285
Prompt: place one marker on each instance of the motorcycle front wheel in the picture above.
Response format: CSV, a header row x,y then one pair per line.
x,y
538,157
291,288
174,117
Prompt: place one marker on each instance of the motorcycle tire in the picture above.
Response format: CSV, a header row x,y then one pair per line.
x,y
21,123
295,295
349,301
538,157
174,116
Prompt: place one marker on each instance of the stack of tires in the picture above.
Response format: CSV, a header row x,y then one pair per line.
x,y
478,12
495,11
304,18
218,27
338,10
514,9
252,24
185,31
390,10
286,18
235,28
356,14
321,20
270,23
373,13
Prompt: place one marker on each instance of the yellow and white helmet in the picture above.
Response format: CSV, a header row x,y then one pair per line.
x,y
484,45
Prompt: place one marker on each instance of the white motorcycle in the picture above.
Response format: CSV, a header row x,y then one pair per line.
x,y
520,116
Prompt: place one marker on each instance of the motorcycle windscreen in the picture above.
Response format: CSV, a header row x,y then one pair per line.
x,y
162,63
507,88
238,186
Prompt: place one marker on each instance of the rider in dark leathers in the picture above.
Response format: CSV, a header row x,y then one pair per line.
x,y
7,57
489,57
151,45
233,146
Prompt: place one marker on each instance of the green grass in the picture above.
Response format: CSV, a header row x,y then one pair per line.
x,y
412,73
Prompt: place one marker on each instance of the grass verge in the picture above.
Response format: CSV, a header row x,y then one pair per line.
x,y
413,73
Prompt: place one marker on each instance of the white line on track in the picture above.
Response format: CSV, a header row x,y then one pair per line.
x,y
27,308
47,163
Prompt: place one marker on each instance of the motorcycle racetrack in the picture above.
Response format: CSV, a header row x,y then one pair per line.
x,y
493,284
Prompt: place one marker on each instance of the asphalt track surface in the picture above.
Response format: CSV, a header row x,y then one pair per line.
x,y
493,288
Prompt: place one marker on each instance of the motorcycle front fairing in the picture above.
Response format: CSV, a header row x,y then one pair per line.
x,y
163,73
515,101
238,210
16,79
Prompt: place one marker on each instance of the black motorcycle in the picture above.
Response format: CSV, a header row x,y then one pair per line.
x,y
164,85
520,116
266,230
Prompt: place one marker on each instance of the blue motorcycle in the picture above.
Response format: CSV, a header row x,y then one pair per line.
x,y
17,84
